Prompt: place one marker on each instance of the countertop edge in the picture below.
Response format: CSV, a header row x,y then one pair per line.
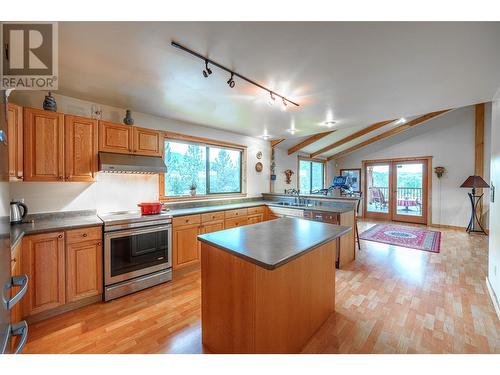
x,y
280,263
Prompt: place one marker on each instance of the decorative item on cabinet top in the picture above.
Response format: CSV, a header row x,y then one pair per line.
x,y
49,104
128,120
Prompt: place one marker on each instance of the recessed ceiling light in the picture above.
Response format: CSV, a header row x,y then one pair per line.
x,y
329,123
291,131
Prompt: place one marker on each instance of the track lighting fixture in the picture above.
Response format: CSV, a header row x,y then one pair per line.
x,y
272,99
230,81
207,70
283,107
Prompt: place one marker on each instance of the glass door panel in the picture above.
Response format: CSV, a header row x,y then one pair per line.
x,y
410,193
378,177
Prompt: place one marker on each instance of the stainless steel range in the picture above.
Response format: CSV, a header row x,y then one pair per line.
x,y
137,252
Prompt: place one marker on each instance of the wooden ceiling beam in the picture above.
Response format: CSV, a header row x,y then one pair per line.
x,y
276,142
308,141
388,133
351,137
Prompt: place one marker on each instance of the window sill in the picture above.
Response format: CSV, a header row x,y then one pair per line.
x,y
202,197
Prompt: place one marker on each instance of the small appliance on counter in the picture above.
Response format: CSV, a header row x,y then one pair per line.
x,y
18,211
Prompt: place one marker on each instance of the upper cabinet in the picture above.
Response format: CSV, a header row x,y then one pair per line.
x,y
43,145
115,137
80,148
15,136
126,139
147,142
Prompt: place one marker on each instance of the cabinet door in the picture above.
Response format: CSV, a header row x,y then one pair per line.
x,y
43,145
83,270
147,142
115,137
43,262
15,136
81,148
212,227
186,246
235,222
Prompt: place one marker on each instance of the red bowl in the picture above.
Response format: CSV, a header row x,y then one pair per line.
x,y
150,208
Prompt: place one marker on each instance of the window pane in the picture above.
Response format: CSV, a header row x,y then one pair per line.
x,y
317,176
186,165
305,176
225,170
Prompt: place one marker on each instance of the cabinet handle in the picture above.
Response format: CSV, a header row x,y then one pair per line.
x,y
13,260
99,243
60,236
84,235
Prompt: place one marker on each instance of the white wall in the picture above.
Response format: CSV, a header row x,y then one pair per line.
x,y
450,140
123,192
494,237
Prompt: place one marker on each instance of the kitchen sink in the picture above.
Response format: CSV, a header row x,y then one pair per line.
x,y
290,204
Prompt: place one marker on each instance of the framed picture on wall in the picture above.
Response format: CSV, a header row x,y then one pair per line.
x,y
354,177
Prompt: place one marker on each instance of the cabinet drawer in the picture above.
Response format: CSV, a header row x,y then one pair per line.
x,y
212,216
236,213
256,210
235,222
186,220
255,219
330,218
83,234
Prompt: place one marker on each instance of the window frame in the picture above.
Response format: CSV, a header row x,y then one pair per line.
x,y
313,160
182,138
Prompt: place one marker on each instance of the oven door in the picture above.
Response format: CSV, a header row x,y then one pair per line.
x,y
136,252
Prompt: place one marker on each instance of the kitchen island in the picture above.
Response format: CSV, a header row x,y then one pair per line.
x,y
267,287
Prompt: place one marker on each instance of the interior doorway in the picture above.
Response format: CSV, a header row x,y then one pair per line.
x,y
397,189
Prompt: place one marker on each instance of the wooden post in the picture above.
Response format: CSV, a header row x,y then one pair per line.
x,y
479,150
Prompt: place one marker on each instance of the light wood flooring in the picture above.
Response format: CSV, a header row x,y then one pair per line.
x,y
390,300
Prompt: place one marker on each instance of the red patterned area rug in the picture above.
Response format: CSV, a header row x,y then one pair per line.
x,y
398,235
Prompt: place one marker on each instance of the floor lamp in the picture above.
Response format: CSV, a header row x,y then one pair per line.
x,y
474,182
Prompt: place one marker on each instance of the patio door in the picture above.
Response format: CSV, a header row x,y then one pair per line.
x,y
397,190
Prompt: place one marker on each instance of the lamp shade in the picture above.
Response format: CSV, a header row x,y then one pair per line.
x,y
474,182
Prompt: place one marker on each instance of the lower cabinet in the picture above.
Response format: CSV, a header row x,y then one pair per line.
x,y
186,245
43,262
83,270
62,268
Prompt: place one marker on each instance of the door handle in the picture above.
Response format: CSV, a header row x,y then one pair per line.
x,y
19,329
21,281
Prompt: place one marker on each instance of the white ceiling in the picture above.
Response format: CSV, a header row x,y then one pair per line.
x,y
355,73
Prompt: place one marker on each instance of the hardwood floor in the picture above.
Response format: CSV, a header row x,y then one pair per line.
x,y
389,300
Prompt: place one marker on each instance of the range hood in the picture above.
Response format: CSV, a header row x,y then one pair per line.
x,y
125,163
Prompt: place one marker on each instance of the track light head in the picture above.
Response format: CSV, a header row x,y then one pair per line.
x,y
207,70
230,81
272,99
284,104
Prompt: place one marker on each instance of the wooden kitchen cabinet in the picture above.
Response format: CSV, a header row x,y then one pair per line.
x,y
44,262
81,148
15,139
43,145
115,137
147,142
255,219
126,139
83,270
186,246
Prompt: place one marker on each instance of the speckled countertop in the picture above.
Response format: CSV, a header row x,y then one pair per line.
x,y
273,243
340,207
49,222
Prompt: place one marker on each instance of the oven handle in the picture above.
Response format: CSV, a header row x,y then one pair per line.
x,y
131,232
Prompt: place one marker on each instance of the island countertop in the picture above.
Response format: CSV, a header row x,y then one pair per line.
x,y
273,243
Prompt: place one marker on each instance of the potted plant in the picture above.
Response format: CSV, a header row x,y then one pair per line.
x,y
192,189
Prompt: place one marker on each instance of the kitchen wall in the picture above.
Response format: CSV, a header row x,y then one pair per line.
x,y
123,192
450,140
494,237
